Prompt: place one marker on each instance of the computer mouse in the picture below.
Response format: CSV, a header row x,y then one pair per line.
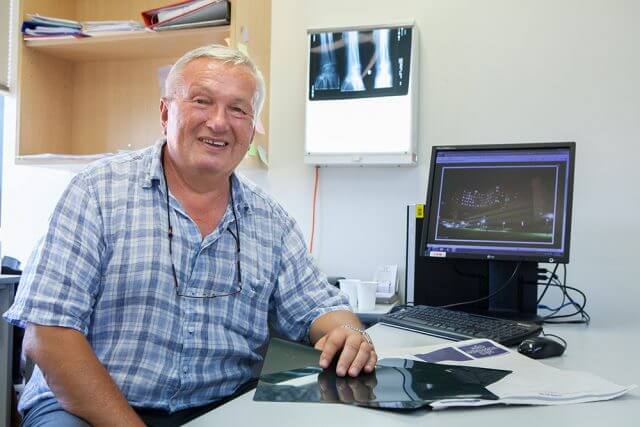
x,y
540,348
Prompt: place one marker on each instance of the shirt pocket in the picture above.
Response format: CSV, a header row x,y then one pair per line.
x,y
251,308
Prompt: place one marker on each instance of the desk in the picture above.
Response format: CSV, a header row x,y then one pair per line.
x,y
609,351
373,316
7,289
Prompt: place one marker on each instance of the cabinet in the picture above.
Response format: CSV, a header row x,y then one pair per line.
x,y
101,94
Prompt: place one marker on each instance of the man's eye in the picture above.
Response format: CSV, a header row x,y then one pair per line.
x,y
201,101
238,110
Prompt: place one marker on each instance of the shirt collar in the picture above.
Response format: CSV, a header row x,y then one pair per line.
x,y
240,194
154,175
153,164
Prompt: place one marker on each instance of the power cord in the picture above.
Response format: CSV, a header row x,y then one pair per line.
x,y
313,208
552,281
546,288
552,318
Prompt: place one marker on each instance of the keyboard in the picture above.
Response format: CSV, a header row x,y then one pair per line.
x,y
457,325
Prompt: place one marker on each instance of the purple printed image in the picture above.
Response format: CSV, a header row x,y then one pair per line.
x,y
482,349
444,354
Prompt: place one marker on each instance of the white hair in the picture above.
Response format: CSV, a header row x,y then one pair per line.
x,y
225,55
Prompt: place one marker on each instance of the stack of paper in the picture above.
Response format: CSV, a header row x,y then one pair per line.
x,y
188,14
103,28
38,26
530,383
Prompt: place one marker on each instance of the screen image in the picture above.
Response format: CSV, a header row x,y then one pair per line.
x,y
504,204
497,202
359,64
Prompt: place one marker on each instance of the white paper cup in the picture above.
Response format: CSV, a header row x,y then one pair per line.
x,y
350,287
367,295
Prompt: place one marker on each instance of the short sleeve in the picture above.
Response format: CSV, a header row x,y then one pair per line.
x,y
302,292
61,280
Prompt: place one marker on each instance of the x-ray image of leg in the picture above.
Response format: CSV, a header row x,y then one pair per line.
x,y
328,77
353,78
384,77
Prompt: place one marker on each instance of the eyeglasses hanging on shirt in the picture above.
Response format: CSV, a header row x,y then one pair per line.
x,y
236,237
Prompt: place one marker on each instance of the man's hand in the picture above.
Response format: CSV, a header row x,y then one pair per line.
x,y
357,354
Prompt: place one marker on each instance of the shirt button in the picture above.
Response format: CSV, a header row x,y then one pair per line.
x,y
191,329
185,369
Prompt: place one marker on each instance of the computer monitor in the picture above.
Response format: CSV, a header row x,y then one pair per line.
x,y
509,205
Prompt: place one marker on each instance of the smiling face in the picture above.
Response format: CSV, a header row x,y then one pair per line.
x,y
208,118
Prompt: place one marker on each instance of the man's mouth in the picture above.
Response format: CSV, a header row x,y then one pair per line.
x,y
213,142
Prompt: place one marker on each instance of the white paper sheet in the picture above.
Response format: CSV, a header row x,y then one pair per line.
x,y
531,383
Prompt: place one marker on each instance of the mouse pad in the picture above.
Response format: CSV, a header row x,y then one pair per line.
x,y
395,383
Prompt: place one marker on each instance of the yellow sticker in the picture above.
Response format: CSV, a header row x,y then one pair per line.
x,y
419,210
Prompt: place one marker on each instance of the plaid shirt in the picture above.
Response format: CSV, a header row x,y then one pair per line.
x,y
103,268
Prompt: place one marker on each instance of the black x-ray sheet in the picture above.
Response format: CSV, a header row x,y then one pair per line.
x,y
395,384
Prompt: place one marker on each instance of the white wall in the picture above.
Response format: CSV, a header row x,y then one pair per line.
x,y
492,71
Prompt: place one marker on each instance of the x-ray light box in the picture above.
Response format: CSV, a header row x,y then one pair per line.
x,y
361,103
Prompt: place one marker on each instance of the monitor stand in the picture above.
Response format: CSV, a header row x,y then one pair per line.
x,y
440,282
519,299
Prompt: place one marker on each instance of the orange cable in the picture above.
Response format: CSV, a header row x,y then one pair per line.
x,y
313,209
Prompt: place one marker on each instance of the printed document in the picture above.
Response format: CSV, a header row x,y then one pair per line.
x,y
530,383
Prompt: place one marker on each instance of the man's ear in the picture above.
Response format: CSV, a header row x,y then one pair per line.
x,y
164,114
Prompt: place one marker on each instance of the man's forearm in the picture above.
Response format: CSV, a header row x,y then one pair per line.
x,y
76,377
328,321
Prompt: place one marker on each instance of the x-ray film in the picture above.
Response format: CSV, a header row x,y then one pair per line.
x,y
395,383
359,63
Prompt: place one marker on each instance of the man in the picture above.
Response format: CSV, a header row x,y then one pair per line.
x,y
154,288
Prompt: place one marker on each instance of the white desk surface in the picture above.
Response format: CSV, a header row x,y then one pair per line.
x,y
378,309
610,352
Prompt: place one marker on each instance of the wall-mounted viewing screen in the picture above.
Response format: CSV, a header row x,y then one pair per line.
x,y
359,64
361,101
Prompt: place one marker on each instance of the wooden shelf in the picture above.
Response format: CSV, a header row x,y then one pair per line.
x,y
53,159
100,94
130,45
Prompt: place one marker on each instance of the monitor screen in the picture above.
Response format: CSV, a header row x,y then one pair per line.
x,y
502,202
359,63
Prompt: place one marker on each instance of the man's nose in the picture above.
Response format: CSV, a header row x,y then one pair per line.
x,y
217,118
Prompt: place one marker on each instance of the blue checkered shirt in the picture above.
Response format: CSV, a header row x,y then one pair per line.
x,y
103,269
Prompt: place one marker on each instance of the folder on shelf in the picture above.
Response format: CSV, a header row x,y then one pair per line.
x,y
48,21
41,27
47,27
188,14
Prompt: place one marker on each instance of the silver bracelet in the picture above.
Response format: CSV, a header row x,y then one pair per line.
x,y
362,332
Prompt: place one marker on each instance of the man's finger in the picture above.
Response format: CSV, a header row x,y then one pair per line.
x,y
331,346
371,364
361,359
349,353
320,343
